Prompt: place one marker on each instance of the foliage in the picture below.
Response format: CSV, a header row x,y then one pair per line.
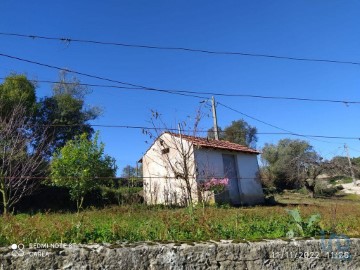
x,y
302,227
139,224
81,166
17,90
123,190
287,162
64,113
340,179
130,171
122,195
142,223
238,132
322,189
356,163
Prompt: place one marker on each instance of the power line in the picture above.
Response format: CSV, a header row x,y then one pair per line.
x,y
276,127
184,49
204,131
146,88
95,76
196,93
354,149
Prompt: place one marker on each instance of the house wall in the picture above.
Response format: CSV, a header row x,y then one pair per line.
x,y
250,184
209,164
162,187
160,183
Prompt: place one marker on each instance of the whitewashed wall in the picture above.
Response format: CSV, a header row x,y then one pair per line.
x,y
160,184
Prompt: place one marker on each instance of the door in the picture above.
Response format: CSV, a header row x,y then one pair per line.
x,y
230,172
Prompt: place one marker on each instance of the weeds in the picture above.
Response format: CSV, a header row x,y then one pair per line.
x,y
143,223
303,227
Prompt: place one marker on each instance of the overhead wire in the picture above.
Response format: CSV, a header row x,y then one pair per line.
x,y
196,93
184,49
94,76
200,131
149,88
271,125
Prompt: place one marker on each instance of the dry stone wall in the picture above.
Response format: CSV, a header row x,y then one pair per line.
x,y
272,254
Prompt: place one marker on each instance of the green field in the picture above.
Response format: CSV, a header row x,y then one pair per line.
x,y
143,223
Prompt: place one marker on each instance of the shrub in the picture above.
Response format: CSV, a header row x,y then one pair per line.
x,y
321,189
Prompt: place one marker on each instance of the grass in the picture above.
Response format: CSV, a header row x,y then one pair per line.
x,y
351,197
142,223
340,180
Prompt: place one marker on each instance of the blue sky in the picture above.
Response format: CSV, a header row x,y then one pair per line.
x,y
313,29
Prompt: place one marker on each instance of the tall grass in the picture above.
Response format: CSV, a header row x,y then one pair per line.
x,y
141,223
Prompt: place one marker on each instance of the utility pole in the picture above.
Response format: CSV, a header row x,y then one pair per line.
x,y
350,165
216,131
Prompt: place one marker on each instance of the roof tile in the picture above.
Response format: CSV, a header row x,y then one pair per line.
x,y
218,144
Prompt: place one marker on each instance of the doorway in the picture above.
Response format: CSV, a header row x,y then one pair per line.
x,y
230,171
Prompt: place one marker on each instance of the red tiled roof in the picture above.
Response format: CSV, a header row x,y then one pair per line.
x,y
218,144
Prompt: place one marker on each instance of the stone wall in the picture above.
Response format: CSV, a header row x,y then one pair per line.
x,y
272,254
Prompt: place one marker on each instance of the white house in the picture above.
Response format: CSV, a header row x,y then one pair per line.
x,y
175,164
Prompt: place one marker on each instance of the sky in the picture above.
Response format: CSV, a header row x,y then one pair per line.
x,y
310,29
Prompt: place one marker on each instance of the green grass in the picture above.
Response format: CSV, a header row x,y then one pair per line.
x,y
142,223
340,180
351,197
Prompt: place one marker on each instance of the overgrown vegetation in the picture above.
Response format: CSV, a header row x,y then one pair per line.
x,y
32,130
303,227
141,223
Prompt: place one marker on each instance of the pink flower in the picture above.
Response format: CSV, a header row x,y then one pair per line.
x,y
216,185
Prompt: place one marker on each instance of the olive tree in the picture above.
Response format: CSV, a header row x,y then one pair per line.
x,y
238,132
286,161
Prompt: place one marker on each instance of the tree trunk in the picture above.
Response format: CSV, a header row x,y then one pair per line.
x,y
4,197
79,203
5,203
310,188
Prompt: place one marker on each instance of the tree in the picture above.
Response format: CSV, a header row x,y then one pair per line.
x,y
20,163
17,90
178,164
238,132
64,113
129,171
340,166
81,166
286,162
312,166
356,163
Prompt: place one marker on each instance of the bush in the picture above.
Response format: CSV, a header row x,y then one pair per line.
x,y
270,191
340,179
321,189
122,195
303,191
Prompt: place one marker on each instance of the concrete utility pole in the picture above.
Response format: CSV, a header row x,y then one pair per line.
x,y
350,165
216,131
